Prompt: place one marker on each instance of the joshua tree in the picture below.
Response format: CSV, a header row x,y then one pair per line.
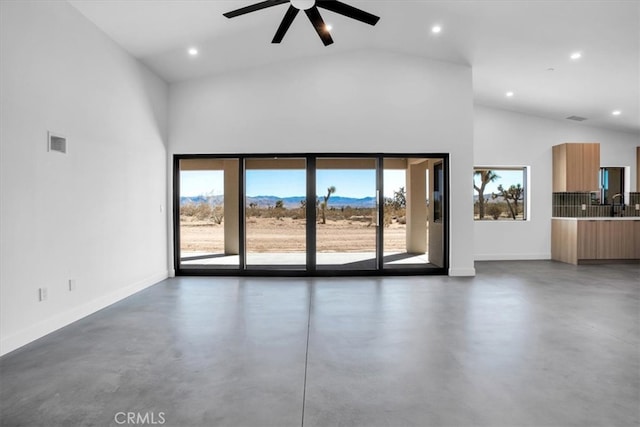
x,y
324,204
486,176
303,208
279,208
514,193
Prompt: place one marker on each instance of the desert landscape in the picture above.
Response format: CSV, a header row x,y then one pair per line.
x,y
270,231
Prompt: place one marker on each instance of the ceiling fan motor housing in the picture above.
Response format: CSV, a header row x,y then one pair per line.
x,y
303,4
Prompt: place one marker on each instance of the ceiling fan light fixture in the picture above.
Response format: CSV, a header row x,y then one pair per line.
x,y
303,4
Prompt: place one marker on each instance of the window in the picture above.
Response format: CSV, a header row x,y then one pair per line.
x,y
611,183
500,193
310,214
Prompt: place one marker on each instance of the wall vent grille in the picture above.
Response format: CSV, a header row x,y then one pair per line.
x,y
57,143
577,118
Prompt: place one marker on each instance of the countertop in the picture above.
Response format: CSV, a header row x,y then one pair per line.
x,y
599,218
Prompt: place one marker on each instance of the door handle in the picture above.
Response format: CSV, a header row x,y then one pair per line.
x,y
377,208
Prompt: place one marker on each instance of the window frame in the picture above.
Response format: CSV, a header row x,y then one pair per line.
x,y
311,269
526,203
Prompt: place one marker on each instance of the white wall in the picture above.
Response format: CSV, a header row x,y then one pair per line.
x,y
504,138
94,214
364,101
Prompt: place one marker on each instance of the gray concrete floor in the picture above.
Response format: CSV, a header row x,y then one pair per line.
x,y
532,343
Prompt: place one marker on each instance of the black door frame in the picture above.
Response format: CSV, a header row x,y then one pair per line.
x,y
311,267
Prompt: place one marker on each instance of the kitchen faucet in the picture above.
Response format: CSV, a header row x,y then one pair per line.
x,y
613,203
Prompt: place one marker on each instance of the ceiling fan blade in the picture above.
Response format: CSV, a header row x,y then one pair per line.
x,y
285,24
254,7
321,28
349,11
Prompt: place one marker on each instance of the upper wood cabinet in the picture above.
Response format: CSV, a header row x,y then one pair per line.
x,y
576,167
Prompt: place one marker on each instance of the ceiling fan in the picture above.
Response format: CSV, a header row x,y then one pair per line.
x,y
310,7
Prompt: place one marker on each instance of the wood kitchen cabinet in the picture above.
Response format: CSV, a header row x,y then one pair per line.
x,y
578,241
576,167
587,239
629,243
617,241
636,239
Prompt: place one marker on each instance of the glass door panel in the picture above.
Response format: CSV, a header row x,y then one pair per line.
x,y
208,223
406,219
437,213
275,213
414,196
346,214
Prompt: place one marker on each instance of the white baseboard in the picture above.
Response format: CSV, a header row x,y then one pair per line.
x,y
512,257
45,327
462,272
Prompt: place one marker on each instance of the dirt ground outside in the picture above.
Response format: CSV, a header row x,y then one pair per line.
x,y
273,235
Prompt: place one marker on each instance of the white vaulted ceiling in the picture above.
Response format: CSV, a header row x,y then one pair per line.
x,y
510,45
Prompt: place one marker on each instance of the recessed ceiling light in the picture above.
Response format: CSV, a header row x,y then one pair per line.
x,y
328,27
436,29
509,94
616,112
576,55
193,51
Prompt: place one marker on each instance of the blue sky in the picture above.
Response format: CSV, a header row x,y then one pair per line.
x,y
288,183
506,178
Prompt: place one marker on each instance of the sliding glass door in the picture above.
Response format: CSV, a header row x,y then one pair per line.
x,y
311,214
207,221
408,214
275,213
347,214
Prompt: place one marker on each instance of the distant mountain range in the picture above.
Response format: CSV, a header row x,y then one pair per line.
x,y
488,199
294,202
289,202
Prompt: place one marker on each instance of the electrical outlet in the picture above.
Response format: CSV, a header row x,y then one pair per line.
x,y
42,294
72,285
